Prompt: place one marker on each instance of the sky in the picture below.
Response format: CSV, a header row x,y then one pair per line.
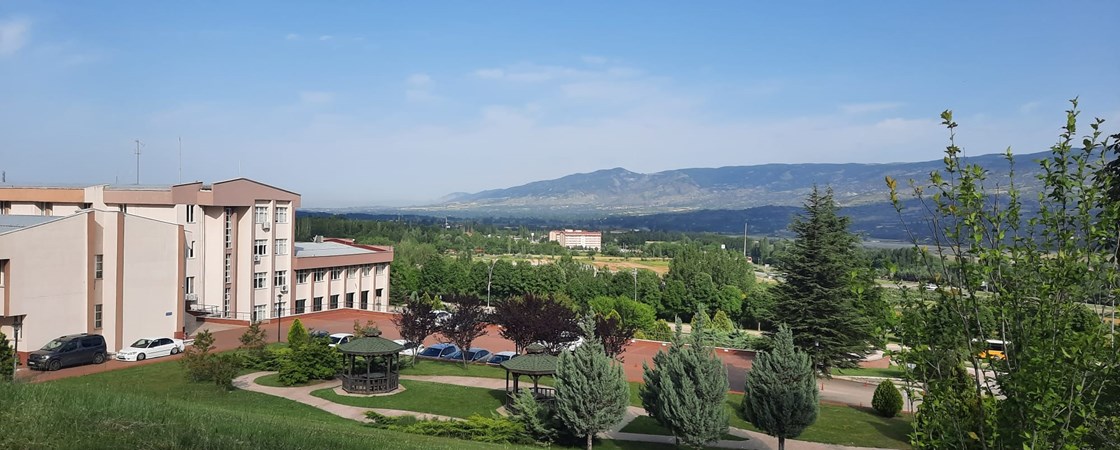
x,y
397,103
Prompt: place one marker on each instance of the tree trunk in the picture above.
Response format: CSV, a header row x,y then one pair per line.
x,y
781,443
589,437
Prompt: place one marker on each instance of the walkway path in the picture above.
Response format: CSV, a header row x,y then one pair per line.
x,y
303,395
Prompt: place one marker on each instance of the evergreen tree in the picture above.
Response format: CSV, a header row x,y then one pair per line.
x,y
7,359
297,334
887,401
826,299
781,390
591,389
685,390
721,322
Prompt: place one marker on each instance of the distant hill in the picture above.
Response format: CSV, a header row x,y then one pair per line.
x,y
619,191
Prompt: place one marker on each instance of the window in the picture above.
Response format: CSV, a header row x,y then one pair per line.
x,y
260,247
364,300
319,274
378,294
278,309
317,304
98,267
280,278
229,267
188,285
124,209
281,246
301,306
4,207
225,303
336,273
281,214
366,270
3,262
301,277
97,317
190,213
349,299
260,280
229,227
190,250
351,272
260,214
334,301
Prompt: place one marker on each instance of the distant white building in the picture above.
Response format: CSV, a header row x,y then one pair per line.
x,y
577,238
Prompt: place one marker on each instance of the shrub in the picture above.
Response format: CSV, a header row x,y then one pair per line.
x,y
196,359
297,334
722,322
223,369
537,417
475,428
314,361
7,359
887,401
369,329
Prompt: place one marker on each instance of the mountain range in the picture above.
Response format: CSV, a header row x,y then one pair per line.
x,y
619,191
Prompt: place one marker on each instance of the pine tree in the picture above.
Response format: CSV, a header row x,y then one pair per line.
x,y
721,322
781,390
7,359
297,335
591,389
827,300
685,390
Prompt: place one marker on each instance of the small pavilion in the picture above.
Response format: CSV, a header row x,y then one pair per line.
x,y
379,370
535,363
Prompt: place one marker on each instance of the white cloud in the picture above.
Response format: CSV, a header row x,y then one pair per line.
x,y
316,97
865,108
13,35
326,37
292,37
419,80
1029,107
531,73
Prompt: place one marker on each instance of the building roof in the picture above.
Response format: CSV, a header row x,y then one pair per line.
x,y
12,222
370,345
313,249
533,362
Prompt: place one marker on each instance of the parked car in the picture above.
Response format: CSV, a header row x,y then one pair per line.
x,y
473,354
340,338
151,348
319,334
501,357
439,350
441,316
70,350
568,341
410,348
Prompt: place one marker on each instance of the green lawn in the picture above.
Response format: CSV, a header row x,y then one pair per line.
x,y
842,425
433,398
647,425
429,367
635,399
888,372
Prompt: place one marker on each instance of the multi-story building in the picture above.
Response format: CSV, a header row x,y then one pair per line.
x,y
131,261
577,238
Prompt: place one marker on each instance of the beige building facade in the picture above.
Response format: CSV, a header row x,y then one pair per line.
x,y
577,238
136,261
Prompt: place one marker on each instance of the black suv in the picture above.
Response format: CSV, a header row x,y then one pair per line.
x,y
71,350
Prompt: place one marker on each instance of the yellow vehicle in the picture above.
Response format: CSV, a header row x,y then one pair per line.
x,y
993,349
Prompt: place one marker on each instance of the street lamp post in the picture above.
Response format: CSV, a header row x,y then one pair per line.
x,y
489,277
635,284
279,299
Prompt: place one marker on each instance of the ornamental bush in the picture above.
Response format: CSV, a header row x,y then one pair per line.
x,y
887,400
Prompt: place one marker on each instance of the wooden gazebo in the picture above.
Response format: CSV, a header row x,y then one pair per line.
x,y
535,363
379,370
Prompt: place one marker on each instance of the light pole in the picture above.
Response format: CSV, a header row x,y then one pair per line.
x,y
489,277
635,284
279,303
17,327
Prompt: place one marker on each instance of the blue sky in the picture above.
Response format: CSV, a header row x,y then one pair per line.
x,y
363,103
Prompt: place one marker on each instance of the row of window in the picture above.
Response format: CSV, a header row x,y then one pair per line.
x,y
317,302
260,247
260,214
336,273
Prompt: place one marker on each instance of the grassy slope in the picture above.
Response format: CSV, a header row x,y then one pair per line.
x,y
842,425
432,398
887,372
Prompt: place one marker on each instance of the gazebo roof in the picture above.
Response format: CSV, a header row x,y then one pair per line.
x,y
370,345
533,362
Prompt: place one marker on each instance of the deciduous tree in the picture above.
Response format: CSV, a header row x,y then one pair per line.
x,y
416,322
466,323
530,318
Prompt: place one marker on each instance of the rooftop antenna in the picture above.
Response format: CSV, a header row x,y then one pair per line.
x,y
137,161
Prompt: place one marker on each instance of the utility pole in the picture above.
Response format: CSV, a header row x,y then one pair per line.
x,y
137,161
635,284
744,239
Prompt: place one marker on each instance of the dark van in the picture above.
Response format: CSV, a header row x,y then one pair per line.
x,y
72,350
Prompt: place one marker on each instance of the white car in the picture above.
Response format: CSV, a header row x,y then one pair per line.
x,y
340,338
410,348
150,348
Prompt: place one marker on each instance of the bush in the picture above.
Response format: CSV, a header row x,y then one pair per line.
x,y
475,428
196,359
223,369
297,334
314,361
7,359
722,322
537,417
887,401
